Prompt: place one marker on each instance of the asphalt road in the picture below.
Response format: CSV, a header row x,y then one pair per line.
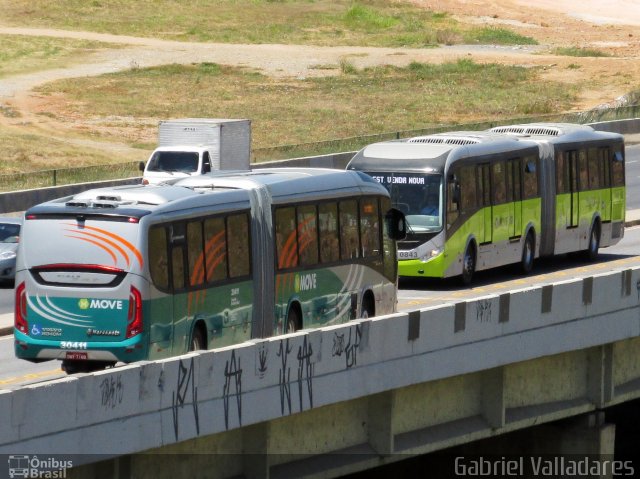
x,y
413,294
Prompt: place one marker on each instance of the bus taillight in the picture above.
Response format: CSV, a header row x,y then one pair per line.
x,y
20,318
134,317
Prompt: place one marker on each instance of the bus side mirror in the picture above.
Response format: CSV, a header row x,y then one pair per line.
x,y
396,224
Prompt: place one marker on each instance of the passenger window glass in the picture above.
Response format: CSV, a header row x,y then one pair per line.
x,y
286,238
215,249
594,169
350,244
583,169
329,242
530,182
177,263
369,227
195,256
617,169
307,235
498,183
390,264
238,246
158,260
468,195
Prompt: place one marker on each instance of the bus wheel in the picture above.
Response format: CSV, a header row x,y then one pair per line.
x,y
293,321
528,253
468,265
368,309
198,340
594,243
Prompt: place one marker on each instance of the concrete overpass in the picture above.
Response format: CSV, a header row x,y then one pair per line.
x,y
321,403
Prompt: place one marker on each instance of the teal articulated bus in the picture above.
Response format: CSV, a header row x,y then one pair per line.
x,y
146,272
479,200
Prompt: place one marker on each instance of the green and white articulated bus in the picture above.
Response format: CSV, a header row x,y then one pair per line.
x,y
479,200
144,272
584,171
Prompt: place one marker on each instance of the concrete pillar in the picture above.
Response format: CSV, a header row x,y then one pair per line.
x,y
255,450
381,407
585,442
600,374
493,397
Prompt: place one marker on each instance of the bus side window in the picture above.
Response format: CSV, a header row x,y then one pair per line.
x,y
583,169
178,233
307,235
195,254
286,238
158,258
617,168
238,244
177,266
498,183
562,174
390,262
215,249
369,227
605,167
468,192
594,168
530,177
453,199
329,242
350,244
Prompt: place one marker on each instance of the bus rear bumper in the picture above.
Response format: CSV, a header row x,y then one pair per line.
x,y
38,350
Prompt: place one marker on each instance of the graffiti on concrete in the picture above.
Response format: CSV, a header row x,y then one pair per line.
x,y
232,380
112,391
186,390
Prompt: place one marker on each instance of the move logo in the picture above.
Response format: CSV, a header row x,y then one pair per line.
x,y
305,282
86,303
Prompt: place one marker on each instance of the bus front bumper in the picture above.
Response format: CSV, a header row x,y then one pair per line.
x,y
432,268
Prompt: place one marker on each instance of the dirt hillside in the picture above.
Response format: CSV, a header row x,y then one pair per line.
x,y
609,26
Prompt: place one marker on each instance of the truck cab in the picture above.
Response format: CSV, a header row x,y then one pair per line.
x,y
172,162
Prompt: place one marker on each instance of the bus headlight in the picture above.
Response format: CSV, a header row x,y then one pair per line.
x,y
432,254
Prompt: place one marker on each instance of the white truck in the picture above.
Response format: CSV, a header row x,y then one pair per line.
x,y
193,146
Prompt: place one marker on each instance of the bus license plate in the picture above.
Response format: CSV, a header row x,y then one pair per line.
x,y
76,356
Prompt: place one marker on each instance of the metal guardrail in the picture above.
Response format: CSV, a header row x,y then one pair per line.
x,y
68,176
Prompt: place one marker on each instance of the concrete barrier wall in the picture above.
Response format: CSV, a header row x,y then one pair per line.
x,y
204,393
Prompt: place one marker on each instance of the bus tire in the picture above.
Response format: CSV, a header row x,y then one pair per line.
x,y
468,264
368,307
198,339
591,253
528,254
293,320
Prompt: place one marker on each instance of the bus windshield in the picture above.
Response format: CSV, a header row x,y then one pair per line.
x,y
417,195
